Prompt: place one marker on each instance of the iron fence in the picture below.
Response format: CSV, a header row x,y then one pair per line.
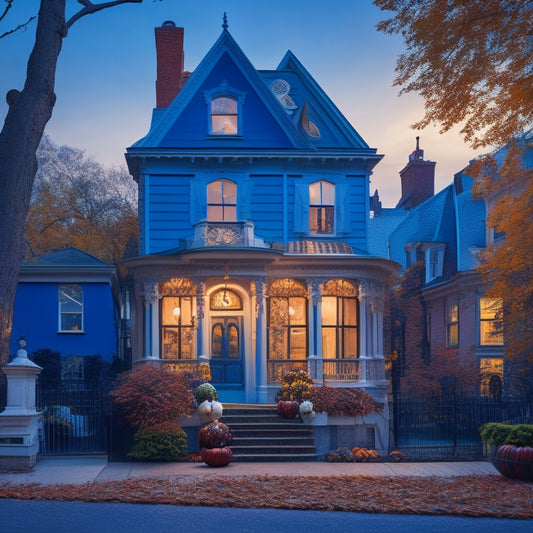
x,y
447,426
74,418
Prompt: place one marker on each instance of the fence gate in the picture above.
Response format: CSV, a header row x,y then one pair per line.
x,y
74,419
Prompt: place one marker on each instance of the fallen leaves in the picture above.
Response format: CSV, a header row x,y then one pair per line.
x,y
491,496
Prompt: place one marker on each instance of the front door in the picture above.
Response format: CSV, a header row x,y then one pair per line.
x,y
226,351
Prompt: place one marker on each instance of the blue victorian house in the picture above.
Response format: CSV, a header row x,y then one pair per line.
x,y
254,214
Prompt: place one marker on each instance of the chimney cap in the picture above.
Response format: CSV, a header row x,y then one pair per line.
x,y
168,24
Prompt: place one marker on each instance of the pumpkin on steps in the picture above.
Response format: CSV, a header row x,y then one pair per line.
x,y
287,409
216,456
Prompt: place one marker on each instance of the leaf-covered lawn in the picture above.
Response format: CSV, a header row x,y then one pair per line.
x,y
493,496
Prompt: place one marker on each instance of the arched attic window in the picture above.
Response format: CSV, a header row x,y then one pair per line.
x,y
224,111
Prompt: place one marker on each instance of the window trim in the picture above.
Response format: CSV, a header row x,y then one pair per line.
x,y
224,91
222,204
61,313
178,326
481,321
324,206
340,327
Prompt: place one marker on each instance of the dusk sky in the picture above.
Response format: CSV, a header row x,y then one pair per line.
x,y
106,73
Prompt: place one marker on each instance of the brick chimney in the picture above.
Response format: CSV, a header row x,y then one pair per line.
x,y
418,179
169,49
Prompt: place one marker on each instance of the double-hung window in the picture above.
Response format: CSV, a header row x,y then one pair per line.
x,y
222,201
321,208
224,116
490,321
452,324
70,308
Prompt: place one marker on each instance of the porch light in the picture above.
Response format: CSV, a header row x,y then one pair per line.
x,y
176,312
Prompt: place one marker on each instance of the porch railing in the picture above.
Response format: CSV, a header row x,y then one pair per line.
x,y
345,370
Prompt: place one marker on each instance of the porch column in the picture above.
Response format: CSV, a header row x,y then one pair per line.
x,y
200,307
260,340
314,288
151,322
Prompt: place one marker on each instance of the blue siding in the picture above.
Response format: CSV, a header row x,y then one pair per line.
x,y
267,206
260,129
36,316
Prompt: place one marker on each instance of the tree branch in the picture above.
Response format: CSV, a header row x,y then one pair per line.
x,y
7,8
90,8
19,27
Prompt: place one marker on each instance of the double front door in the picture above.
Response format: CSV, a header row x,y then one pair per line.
x,y
226,351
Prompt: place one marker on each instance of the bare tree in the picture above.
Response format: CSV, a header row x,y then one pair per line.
x,y
28,113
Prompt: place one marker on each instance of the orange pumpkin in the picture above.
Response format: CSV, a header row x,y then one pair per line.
x,y
216,456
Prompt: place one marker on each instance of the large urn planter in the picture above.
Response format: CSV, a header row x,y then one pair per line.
x,y
514,462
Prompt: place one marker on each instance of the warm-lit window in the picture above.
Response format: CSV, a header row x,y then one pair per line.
x,y
177,327
321,207
287,327
452,324
224,116
491,370
70,308
490,321
339,327
222,201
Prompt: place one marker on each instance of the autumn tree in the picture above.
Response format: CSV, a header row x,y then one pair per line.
x,y
472,62
505,180
29,110
76,202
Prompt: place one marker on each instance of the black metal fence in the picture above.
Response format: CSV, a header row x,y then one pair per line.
x,y
447,426
74,418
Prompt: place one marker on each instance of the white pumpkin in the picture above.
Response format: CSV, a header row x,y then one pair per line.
x,y
210,410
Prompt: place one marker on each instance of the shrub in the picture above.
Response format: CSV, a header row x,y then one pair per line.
x,y
346,402
152,394
162,442
204,392
497,434
296,386
340,455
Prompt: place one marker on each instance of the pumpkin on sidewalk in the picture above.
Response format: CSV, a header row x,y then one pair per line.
x,y
515,462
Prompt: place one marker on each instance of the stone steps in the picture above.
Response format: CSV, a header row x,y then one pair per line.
x,y
260,435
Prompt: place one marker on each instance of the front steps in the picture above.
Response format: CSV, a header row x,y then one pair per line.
x,y
260,435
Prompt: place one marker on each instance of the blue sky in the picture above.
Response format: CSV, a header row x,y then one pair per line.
x,y
106,73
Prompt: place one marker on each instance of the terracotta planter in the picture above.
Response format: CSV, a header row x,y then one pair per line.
x,y
514,462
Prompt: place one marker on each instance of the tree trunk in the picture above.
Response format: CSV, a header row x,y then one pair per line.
x,y
29,111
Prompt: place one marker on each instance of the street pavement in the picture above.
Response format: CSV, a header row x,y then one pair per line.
x,y
97,469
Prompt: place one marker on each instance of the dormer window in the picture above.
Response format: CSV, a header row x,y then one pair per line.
x,y
434,258
224,109
321,208
224,116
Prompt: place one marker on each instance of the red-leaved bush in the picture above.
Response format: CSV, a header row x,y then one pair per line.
x,y
346,402
151,394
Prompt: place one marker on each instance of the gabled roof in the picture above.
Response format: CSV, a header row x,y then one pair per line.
x,y
314,126
224,45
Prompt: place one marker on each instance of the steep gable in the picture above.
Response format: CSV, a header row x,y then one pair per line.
x,y
225,67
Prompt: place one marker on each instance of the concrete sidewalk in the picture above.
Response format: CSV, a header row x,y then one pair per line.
x,y
80,470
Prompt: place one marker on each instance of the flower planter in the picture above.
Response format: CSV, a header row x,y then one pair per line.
x,y
514,462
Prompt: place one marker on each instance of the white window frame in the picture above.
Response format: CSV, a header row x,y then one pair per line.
x,y
61,312
225,91
323,205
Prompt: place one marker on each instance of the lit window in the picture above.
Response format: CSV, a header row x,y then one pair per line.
x,y
321,207
70,308
452,324
224,116
490,321
222,201
177,327
339,327
491,370
287,327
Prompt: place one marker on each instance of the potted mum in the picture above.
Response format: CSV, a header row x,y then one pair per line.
x,y
306,412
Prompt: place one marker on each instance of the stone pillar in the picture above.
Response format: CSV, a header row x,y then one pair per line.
x,y
19,422
260,340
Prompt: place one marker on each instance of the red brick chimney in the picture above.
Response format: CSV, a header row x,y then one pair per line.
x,y
418,179
169,49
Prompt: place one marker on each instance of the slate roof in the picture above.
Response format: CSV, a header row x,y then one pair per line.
x,y
66,257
